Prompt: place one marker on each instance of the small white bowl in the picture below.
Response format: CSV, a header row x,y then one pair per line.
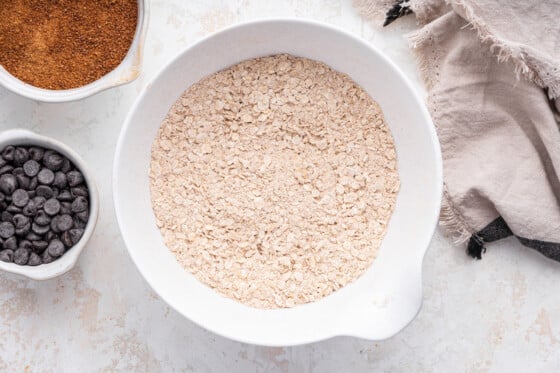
x,y
126,72
389,294
69,259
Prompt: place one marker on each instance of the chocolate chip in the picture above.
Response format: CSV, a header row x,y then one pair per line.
x,y
46,258
39,246
7,256
21,155
14,209
7,216
52,160
75,235
66,239
18,171
61,223
40,229
33,183
44,191
78,223
51,236
32,237
39,202
60,180
79,204
83,216
21,256
45,176
79,191
8,184
65,207
5,169
7,230
31,167
42,218
30,209
23,181
65,196
75,178
36,153
8,153
34,260
20,198
20,220
55,248
23,231
52,207
66,166
10,243
25,244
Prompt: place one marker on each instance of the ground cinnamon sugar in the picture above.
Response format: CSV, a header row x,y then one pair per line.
x,y
63,44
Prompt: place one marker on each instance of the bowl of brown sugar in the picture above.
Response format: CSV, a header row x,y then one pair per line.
x,y
66,50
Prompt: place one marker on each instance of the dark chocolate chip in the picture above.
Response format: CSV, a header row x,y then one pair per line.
x,y
66,166
60,180
23,231
75,178
39,202
79,204
7,256
65,196
46,258
7,216
52,206
52,160
25,244
36,153
7,230
31,168
33,183
83,216
21,155
20,198
21,256
75,235
61,223
42,218
44,191
32,237
20,220
14,209
45,176
6,169
78,223
65,208
8,153
39,229
10,243
23,181
34,260
18,171
51,236
8,184
30,209
55,248
79,191
39,246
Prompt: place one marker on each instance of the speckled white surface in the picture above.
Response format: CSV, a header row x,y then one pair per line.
x,y
498,315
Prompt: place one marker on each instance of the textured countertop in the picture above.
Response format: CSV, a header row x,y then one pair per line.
x,y
500,314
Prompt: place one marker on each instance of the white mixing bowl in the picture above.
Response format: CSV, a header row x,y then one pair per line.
x,y
383,300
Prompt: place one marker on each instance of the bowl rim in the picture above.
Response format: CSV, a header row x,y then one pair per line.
x,y
127,71
433,219
70,258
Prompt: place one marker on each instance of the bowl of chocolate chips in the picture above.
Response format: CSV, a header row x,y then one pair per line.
x,y
48,205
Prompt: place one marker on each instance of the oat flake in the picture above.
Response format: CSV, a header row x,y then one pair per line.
x,y
273,181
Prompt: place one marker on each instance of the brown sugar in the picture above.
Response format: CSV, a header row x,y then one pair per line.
x,y
63,44
273,181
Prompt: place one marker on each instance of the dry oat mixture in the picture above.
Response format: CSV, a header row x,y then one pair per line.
x,y
273,181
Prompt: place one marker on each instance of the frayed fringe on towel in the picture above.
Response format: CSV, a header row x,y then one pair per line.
x,y
525,65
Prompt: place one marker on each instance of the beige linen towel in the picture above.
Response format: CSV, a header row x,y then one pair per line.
x,y
492,72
